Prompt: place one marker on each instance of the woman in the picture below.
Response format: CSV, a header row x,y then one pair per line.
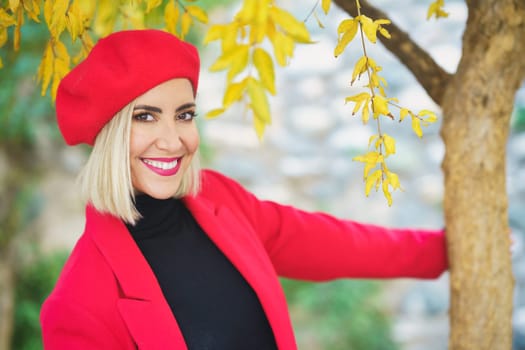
x,y
177,258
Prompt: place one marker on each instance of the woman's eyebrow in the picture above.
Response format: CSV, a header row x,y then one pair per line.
x,y
148,108
185,106
158,110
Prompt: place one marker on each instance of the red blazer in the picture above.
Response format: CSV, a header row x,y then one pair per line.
x,y
107,297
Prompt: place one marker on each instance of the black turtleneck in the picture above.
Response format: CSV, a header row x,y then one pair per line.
x,y
215,307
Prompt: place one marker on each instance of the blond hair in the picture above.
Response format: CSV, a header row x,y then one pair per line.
x,y
105,180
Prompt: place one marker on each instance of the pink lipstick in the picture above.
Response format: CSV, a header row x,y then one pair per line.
x,y
163,166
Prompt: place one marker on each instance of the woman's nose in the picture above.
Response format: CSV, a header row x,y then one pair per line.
x,y
169,138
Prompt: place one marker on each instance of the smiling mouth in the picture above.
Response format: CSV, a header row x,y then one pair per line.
x,y
164,167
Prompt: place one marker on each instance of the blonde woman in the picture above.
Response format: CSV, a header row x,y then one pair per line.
x,y
173,257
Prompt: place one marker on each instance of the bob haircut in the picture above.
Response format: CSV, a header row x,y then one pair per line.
x,y
105,180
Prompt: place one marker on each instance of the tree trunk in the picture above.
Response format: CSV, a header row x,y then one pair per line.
x,y
477,107
6,302
477,102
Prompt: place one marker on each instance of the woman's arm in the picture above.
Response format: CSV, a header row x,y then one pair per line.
x,y
317,246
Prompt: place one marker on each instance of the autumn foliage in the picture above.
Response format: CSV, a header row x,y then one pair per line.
x,y
260,36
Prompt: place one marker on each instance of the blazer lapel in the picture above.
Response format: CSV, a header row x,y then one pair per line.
x,y
142,304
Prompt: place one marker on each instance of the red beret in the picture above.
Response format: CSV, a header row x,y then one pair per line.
x,y
119,68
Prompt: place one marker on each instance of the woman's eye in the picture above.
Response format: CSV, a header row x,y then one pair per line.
x,y
187,116
143,117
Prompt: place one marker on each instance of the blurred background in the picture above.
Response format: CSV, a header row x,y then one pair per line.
x,y
305,159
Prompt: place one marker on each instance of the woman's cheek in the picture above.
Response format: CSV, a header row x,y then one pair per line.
x,y
193,141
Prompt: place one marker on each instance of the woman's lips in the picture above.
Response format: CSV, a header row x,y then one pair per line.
x,y
162,166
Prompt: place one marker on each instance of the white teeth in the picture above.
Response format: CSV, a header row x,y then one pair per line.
x,y
161,165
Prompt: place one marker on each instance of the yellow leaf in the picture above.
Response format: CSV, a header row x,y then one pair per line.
x,y
384,32
256,35
378,143
215,32
185,24
1,63
347,25
171,17
374,81
214,113
74,20
271,29
288,23
283,47
380,106
369,28
229,39
416,126
264,64
431,116
48,11
393,180
372,181
62,58
151,4
258,99
386,191
57,22
88,8
367,168
390,144
233,93
72,26
132,16
326,5
227,58
402,114
359,99
32,9
259,104
380,22
45,70
371,139
436,9
365,114
106,14
360,67
6,20
13,5
198,13
349,32
371,157
261,15
248,11
239,62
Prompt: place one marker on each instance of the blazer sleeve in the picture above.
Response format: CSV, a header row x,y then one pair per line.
x,y
66,326
318,246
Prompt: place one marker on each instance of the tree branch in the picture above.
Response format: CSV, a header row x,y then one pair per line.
x,y
432,77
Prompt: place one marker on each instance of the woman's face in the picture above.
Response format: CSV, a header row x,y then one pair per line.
x,y
164,138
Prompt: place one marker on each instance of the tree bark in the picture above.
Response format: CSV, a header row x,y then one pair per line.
x,y
477,107
477,102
